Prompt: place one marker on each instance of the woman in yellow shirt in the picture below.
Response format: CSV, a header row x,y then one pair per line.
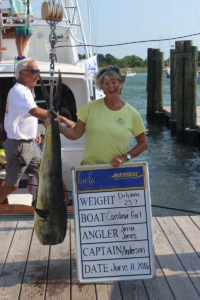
x,y
108,124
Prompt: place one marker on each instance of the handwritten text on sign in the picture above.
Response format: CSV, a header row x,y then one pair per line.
x,y
113,233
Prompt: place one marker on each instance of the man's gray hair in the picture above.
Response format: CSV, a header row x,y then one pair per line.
x,y
22,65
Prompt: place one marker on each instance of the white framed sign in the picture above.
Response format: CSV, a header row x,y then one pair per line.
x,y
112,214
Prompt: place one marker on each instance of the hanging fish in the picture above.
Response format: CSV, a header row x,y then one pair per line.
x,y
50,221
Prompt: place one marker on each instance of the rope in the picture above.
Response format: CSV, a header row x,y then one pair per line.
x,y
188,211
129,43
158,206
37,187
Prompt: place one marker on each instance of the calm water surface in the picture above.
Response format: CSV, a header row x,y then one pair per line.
x,y
174,168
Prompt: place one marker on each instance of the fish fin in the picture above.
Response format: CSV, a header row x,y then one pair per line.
x,y
41,213
58,94
45,93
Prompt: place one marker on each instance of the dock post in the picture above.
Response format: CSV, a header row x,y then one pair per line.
x,y
187,89
179,90
150,85
193,62
159,86
155,96
173,91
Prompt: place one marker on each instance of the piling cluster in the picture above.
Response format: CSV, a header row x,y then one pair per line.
x,y
183,87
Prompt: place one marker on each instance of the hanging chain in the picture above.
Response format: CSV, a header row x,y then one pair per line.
x,y
52,56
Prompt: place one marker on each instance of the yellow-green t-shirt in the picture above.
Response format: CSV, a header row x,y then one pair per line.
x,y
107,132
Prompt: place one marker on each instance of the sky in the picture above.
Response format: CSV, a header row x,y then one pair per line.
x,y
116,21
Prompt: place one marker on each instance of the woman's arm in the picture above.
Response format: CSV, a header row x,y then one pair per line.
x,y
72,133
142,145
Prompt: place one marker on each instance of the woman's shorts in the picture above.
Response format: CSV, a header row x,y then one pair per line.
x,y
23,30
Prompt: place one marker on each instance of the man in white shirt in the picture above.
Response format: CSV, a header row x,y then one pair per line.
x,y
21,126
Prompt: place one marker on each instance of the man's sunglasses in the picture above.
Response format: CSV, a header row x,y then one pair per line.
x,y
110,69
33,71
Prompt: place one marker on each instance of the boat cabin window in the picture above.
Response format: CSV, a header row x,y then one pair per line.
x,y
67,107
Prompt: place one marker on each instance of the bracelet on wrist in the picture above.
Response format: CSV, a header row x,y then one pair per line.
x,y
64,130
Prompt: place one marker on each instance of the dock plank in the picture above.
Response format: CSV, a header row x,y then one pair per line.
x,y
188,258
178,280
108,291
7,230
78,291
190,230
34,282
158,288
11,277
167,111
58,282
196,220
133,290
83,292
73,255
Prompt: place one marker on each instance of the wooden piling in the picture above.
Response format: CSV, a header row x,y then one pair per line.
x,y
150,85
193,62
155,98
187,89
159,68
173,91
179,91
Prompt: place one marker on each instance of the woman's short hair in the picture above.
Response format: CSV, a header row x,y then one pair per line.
x,y
22,65
110,72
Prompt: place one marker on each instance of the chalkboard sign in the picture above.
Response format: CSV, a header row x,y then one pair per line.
x,y
112,213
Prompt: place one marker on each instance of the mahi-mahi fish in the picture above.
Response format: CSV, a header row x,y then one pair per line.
x,y
50,220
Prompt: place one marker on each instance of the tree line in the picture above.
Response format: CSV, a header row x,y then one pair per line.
x,y
129,61
126,62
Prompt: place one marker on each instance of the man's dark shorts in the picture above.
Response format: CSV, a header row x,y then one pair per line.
x,y
14,170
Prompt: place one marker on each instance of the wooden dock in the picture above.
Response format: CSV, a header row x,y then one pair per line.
x,y
167,111
29,270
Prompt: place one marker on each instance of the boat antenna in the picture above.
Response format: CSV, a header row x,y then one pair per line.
x,y
196,15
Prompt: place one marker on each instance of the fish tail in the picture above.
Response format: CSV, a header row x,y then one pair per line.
x,y
45,93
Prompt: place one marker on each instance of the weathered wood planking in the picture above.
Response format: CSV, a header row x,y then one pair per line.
x,y
108,291
172,268
30,273
158,288
167,111
133,290
78,291
196,220
58,282
34,282
188,258
190,230
7,230
12,275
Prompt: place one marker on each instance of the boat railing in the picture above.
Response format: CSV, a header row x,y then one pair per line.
x,y
72,18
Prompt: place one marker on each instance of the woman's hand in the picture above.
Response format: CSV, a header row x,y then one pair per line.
x,y
117,161
61,126
32,17
46,122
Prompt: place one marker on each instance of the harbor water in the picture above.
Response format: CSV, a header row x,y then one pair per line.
x,y
174,168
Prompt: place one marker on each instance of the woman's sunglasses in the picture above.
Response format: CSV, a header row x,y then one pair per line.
x,y
110,69
33,71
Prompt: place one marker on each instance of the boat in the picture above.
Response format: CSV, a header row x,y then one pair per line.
x,y
76,90
167,72
128,72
